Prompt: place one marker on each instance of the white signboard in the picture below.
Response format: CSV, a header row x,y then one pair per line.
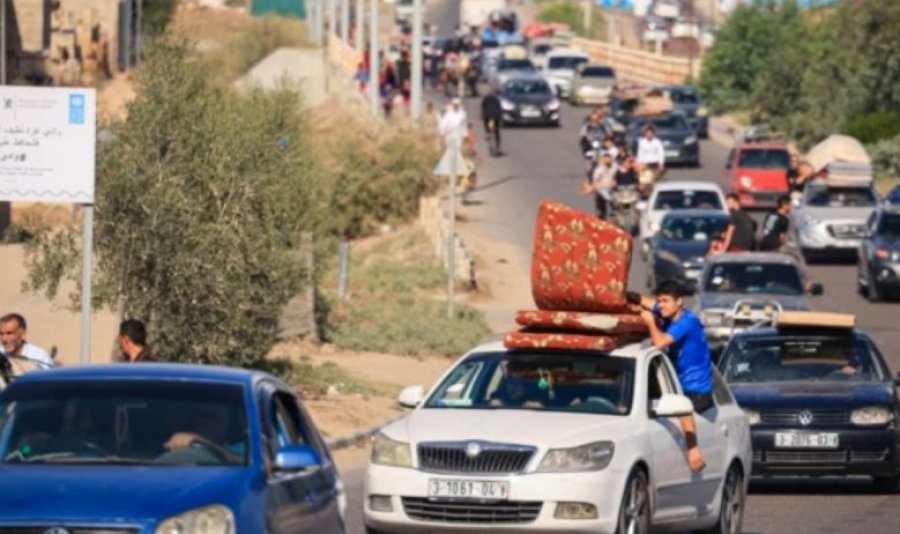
x,y
47,142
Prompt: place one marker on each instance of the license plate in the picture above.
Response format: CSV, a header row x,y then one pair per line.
x,y
672,153
692,275
812,440
468,489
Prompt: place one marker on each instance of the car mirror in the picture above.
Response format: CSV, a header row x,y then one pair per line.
x,y
670,405
816,290
411,396
296,458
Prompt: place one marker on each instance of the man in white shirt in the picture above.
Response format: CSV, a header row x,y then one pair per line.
x,y
651,153
22,355
454,124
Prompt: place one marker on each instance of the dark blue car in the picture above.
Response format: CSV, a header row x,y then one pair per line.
x,y
162,449
821,401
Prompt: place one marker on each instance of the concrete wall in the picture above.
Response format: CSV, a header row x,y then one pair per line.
x,y
638,65
436,223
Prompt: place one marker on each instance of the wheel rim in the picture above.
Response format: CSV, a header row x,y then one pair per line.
x,y
732,503
636,507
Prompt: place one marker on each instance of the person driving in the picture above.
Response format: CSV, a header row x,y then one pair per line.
x,y
513,392
209,427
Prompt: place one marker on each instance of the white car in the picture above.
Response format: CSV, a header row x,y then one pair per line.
x,y
559,68
553,441
677,195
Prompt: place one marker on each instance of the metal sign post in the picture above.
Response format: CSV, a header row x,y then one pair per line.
x,y
87,260
451,232
373,57
417,86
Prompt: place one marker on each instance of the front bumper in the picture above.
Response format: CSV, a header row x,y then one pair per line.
x,y
603,489
541,116
817,238
870,452
590,97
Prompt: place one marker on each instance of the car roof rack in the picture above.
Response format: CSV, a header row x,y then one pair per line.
x,y
814,319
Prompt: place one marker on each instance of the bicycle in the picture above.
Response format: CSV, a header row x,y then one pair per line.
x,y
491,134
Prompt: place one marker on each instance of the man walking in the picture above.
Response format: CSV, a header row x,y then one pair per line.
x,y
739,233
680,333
133,342
775,237
23,356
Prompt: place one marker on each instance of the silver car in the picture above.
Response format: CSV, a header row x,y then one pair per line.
x,y
740,290
592,84
832,220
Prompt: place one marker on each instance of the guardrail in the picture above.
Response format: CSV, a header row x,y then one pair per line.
x,y
639,65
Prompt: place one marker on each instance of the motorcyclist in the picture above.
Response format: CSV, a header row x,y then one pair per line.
x,y
651,158
593,129
602,183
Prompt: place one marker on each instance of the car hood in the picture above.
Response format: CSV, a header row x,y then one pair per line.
x,y
808,394
113,493
521,427
684,250
727,301
831,214
529,99
765,178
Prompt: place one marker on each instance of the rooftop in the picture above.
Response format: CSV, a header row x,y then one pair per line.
x,y
143,371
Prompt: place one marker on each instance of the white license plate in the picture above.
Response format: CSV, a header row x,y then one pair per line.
x,y
672,153
468,489
812,440
692,275
531,113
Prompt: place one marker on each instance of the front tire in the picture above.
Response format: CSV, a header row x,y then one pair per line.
x,y
731,510
634,513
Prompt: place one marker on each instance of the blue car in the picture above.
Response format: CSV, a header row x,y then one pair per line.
x,y
162,449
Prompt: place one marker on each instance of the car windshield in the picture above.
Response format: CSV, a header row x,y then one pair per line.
x,y
687,199
840,197
795,357
558,382
767,278
684,97
670,122
692,228
123,422
889,225
597,72
515,64
565,62
764,158
542,49
527,87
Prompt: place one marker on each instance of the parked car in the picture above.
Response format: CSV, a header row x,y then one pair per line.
x,y
678,195
528,100
687,101
757,172
831,220
155,448
678,137
559,69
678,251
820,399
878,267
557,441
592,84
739,290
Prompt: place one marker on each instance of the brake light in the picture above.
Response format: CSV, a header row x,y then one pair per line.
x,y
882,254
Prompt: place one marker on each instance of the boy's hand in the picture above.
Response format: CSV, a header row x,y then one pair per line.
x,y
649,318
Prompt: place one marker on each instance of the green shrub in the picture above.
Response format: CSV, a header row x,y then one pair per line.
x,y
564,12
874,127
886,156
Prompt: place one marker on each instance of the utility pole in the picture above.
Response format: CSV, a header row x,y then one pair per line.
x,y
3,43
416,107
360,26
373,56
345,21
332,17
693,41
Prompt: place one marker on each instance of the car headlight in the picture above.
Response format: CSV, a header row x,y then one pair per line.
x,y
507,105
746,181
215,519
702,111
654,227
690,140
752,415
553,105
590,457
387,451
871,415
712,318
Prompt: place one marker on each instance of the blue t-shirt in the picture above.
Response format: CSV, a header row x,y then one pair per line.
x,y
690,352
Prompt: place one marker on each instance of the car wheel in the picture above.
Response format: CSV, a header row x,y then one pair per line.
x,y
731,510
634,513
889,484
873,294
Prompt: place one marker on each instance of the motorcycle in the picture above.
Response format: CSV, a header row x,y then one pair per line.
x,y
473,76
591,152
624,207
647,178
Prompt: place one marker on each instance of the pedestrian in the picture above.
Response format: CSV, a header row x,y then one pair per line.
x,y
454,124
362,76
22,355
387,83
133,342
679,333
775,237
404,76
492,116
739,232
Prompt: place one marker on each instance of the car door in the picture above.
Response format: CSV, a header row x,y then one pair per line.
x,y
298,501
680,493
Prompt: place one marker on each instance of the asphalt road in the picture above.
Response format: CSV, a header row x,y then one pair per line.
x,y
545,163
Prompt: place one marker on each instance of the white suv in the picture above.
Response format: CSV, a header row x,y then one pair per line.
x,y
543,440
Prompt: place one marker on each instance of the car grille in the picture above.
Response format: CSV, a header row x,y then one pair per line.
x,y
471,512
868,456
792,417
492,459
806,457
71,530
847,231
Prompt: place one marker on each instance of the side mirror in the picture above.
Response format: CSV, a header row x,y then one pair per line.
x,y
411,396
816,290
296,458
670,405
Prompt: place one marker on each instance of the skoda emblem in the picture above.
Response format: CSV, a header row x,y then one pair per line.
x,y
56,530
472,450
805,418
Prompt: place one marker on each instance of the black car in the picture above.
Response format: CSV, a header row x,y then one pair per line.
x,y
878,266
677,135
687,100
678,250
529,100
821,400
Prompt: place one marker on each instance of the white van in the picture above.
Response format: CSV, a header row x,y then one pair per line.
x,y
559,68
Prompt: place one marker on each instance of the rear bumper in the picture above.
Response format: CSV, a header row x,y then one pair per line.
x,y
683,153
760,198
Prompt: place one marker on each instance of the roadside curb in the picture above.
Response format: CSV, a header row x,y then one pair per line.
x,y
343,442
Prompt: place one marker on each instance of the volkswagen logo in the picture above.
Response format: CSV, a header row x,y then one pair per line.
x,y
472,451
57,530
805,417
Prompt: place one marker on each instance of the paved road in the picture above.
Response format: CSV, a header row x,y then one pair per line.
x,y
545,163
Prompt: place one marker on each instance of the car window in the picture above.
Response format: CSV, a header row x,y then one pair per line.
x,y
809,358
515,64
889,225
721,394
840,197
659,380
147,422
542,49
692,228
597,72
549,381
684,97
764,158
687,199
526,87
287,420
565,62
670,122
750,278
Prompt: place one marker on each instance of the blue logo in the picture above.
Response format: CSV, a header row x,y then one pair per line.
x,y
76,108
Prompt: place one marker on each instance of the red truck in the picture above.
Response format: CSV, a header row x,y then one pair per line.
x,y
758,172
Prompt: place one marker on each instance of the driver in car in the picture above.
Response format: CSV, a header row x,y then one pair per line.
x,y
680,333
210,428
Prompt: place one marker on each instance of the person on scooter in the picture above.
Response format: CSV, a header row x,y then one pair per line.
x,y
492,116
592,129
602,183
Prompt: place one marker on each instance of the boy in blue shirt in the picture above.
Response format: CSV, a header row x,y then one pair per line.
x,y
680,334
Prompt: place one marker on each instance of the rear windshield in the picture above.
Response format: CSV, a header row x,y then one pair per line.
x,y
515,64
670,122
840,197
754,278
688,199
598,72
764,158
684,97
542,49
565,62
